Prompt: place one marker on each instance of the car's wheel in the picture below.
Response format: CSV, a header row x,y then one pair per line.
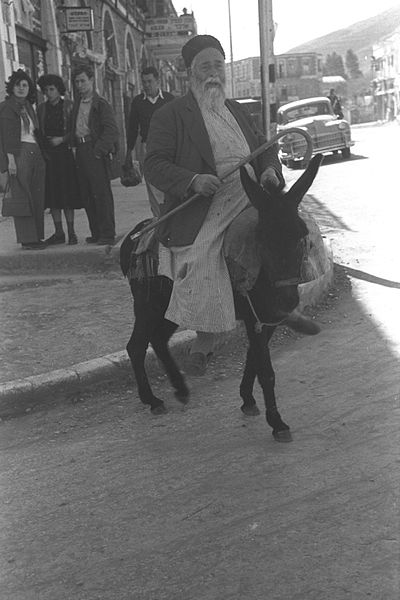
x,y
346,152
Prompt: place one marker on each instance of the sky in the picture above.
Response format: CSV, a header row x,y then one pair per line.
x,y
296,21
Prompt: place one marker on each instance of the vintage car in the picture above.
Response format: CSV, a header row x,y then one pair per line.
x,y
329,133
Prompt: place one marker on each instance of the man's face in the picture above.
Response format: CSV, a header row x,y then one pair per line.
x,y
150,85
84,85
208,68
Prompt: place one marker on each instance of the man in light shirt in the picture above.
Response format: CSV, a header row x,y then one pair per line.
x,y
94,134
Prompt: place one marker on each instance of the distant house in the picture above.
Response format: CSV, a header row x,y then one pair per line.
x,y
298,76
337,82
386,80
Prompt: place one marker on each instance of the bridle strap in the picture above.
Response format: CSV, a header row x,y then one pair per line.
x,y
258,324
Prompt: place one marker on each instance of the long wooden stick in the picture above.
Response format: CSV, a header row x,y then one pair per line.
x,y
229,172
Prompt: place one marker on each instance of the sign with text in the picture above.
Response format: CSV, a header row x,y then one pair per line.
x,y
170,26
78,19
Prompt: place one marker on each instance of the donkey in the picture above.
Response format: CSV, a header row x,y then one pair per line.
x,y
279,237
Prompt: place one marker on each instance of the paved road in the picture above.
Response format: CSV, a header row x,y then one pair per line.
x,y
103,502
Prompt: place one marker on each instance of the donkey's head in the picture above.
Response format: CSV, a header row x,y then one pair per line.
x,y
281,232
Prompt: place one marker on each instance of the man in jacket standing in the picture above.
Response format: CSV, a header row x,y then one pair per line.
x,y
95,137
142,109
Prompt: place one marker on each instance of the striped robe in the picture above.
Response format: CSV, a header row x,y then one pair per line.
x,y
202,297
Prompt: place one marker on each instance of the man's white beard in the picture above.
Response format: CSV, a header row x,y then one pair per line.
x,y
211,97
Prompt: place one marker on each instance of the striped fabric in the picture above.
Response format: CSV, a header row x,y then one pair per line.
x,y
202,297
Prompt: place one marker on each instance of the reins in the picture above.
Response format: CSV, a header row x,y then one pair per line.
x,y
258,326
229,172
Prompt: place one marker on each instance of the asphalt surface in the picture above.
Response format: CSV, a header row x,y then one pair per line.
x,y
66,311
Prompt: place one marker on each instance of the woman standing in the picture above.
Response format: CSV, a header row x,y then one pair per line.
x,y
62,191
21,161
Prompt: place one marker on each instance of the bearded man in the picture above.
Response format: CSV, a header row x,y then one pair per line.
x,y
192,141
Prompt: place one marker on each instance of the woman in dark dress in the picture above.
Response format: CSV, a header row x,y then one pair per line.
x,y
62,192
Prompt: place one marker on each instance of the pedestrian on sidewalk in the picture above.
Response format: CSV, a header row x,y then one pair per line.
x,y
61,190
22,166
142,109
94,134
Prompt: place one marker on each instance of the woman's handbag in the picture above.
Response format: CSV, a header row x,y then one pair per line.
x,y
131,173
15,204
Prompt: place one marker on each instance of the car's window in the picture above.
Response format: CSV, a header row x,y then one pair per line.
x,y
302,112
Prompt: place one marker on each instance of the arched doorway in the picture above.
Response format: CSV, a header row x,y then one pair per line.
x,y
131,88
111,64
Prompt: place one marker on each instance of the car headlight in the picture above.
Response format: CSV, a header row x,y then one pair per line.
x,y
342,125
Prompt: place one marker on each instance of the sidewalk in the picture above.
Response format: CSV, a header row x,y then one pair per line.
x,y
66,312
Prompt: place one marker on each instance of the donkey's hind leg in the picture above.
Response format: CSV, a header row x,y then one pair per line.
x,y
146,321
159,341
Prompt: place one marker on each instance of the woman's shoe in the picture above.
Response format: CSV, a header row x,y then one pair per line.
x,y
72,239
56,238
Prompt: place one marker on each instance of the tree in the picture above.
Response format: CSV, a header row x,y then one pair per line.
x,y
352,65
334,65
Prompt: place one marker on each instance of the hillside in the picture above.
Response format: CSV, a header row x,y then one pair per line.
x,y
358,37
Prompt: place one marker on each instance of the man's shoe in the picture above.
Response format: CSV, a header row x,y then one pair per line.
x,y
35,246
106,242
196,363
91,240
72,239
56,238
301,324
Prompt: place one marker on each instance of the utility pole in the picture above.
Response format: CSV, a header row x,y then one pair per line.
x,y
231,49
268,93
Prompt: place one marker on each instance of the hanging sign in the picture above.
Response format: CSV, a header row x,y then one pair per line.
x,y
78,19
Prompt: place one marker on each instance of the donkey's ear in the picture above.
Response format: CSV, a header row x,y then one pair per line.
x,y
256,194
303,184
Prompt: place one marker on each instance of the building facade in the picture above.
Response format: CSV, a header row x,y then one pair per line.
x,y
121,39
386,77
298,76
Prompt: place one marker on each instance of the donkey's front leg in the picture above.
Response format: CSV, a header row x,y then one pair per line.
x,y
249,406
261,359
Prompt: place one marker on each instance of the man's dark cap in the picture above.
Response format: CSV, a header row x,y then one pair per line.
x,y
198,43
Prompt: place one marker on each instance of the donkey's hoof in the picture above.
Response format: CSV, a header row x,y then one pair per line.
x,y
283,436
250,411
158,410
182,396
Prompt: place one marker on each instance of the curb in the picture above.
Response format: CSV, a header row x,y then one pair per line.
x,y
81,259
49,389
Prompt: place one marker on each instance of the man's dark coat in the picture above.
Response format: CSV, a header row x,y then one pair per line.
x,y
102,124
178,148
